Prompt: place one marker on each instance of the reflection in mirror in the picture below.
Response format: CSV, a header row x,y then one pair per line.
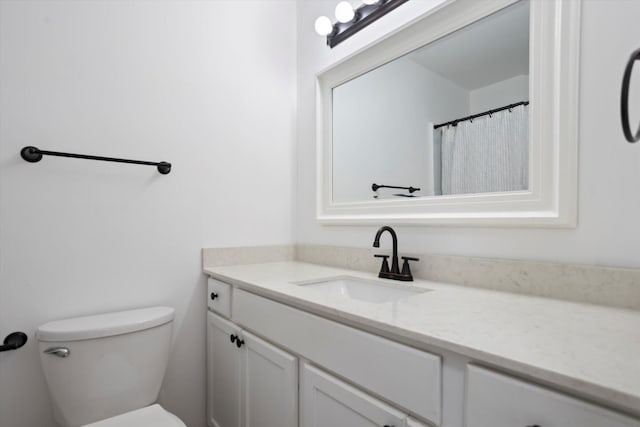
x,y
407,123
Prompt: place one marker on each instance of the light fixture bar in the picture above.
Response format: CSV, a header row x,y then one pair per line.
x,y
364,15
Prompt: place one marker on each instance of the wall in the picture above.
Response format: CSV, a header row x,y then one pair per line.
x,y
607,231
496,95
383,116
207,86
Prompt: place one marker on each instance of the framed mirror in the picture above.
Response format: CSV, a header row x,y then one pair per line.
x,y
468,116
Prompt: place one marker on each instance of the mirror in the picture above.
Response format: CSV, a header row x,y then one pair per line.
x,y
397,113
467,116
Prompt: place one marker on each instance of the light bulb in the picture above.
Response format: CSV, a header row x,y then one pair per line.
x,y
370,1
323,26
344,12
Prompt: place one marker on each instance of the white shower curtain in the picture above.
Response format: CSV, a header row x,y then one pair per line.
x,y
487,155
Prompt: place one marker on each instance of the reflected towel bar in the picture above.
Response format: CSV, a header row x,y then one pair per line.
x,y
34,155
375,187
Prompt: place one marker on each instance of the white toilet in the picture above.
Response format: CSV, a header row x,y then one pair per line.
x,y
106,370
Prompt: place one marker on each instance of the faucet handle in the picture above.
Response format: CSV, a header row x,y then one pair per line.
x,y
406,271
384,268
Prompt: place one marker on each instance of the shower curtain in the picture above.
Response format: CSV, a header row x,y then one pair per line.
x,y
488,154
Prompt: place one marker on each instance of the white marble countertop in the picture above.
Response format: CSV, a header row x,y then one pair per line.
x,y
587,348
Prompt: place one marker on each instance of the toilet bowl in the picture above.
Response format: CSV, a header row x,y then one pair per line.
x,y
106,370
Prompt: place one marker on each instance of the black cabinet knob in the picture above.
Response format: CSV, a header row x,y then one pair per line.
x,y
236,339
213,296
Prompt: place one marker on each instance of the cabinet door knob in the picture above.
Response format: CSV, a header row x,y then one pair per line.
x,y
236,339
214,295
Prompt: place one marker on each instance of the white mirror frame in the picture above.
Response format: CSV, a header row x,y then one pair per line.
x,y
551,200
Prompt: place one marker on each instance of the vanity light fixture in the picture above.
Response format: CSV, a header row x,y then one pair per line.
x,y
350,21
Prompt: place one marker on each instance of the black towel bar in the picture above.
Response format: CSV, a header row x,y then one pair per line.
x,y
33,155
14,341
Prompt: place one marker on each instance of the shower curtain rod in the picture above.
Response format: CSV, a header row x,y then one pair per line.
x,y
490,112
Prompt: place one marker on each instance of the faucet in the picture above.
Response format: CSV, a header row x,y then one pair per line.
x,y
394,273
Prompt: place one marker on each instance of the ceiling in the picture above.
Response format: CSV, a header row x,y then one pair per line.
x,y
490,50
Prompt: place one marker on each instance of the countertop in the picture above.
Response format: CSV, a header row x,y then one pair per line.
x,y
591,349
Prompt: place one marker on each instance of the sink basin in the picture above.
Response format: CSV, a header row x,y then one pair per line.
x,y
362,290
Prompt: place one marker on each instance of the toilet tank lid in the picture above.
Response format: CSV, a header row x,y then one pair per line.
x,y
104,325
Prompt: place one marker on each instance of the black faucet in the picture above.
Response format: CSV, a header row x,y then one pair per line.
x,y
395,273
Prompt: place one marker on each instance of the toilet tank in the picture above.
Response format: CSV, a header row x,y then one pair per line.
x,y
114,362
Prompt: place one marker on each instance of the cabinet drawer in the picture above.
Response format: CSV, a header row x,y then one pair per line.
x,y
219,297
497,400
408,377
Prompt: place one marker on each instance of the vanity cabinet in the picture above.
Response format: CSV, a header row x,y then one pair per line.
x,y
498,400
250,382
348,377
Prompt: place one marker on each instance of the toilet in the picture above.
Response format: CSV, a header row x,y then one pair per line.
x,y
106,370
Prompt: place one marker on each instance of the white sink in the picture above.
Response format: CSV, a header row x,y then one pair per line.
x,y
362,289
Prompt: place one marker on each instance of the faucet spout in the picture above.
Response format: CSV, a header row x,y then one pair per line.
x,y
376,244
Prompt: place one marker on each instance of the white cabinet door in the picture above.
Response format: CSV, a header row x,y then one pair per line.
x,y
497,400
326,401
224,373
270,385
414,423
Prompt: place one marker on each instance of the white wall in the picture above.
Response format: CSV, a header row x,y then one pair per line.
x,y
496,95
608,229
382,132
207,86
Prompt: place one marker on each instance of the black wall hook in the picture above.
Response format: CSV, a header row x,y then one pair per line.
x,y
624,99
34,155
14,341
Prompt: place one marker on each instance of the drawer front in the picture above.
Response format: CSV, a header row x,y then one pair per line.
x,y
219,297
406,376
497,400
